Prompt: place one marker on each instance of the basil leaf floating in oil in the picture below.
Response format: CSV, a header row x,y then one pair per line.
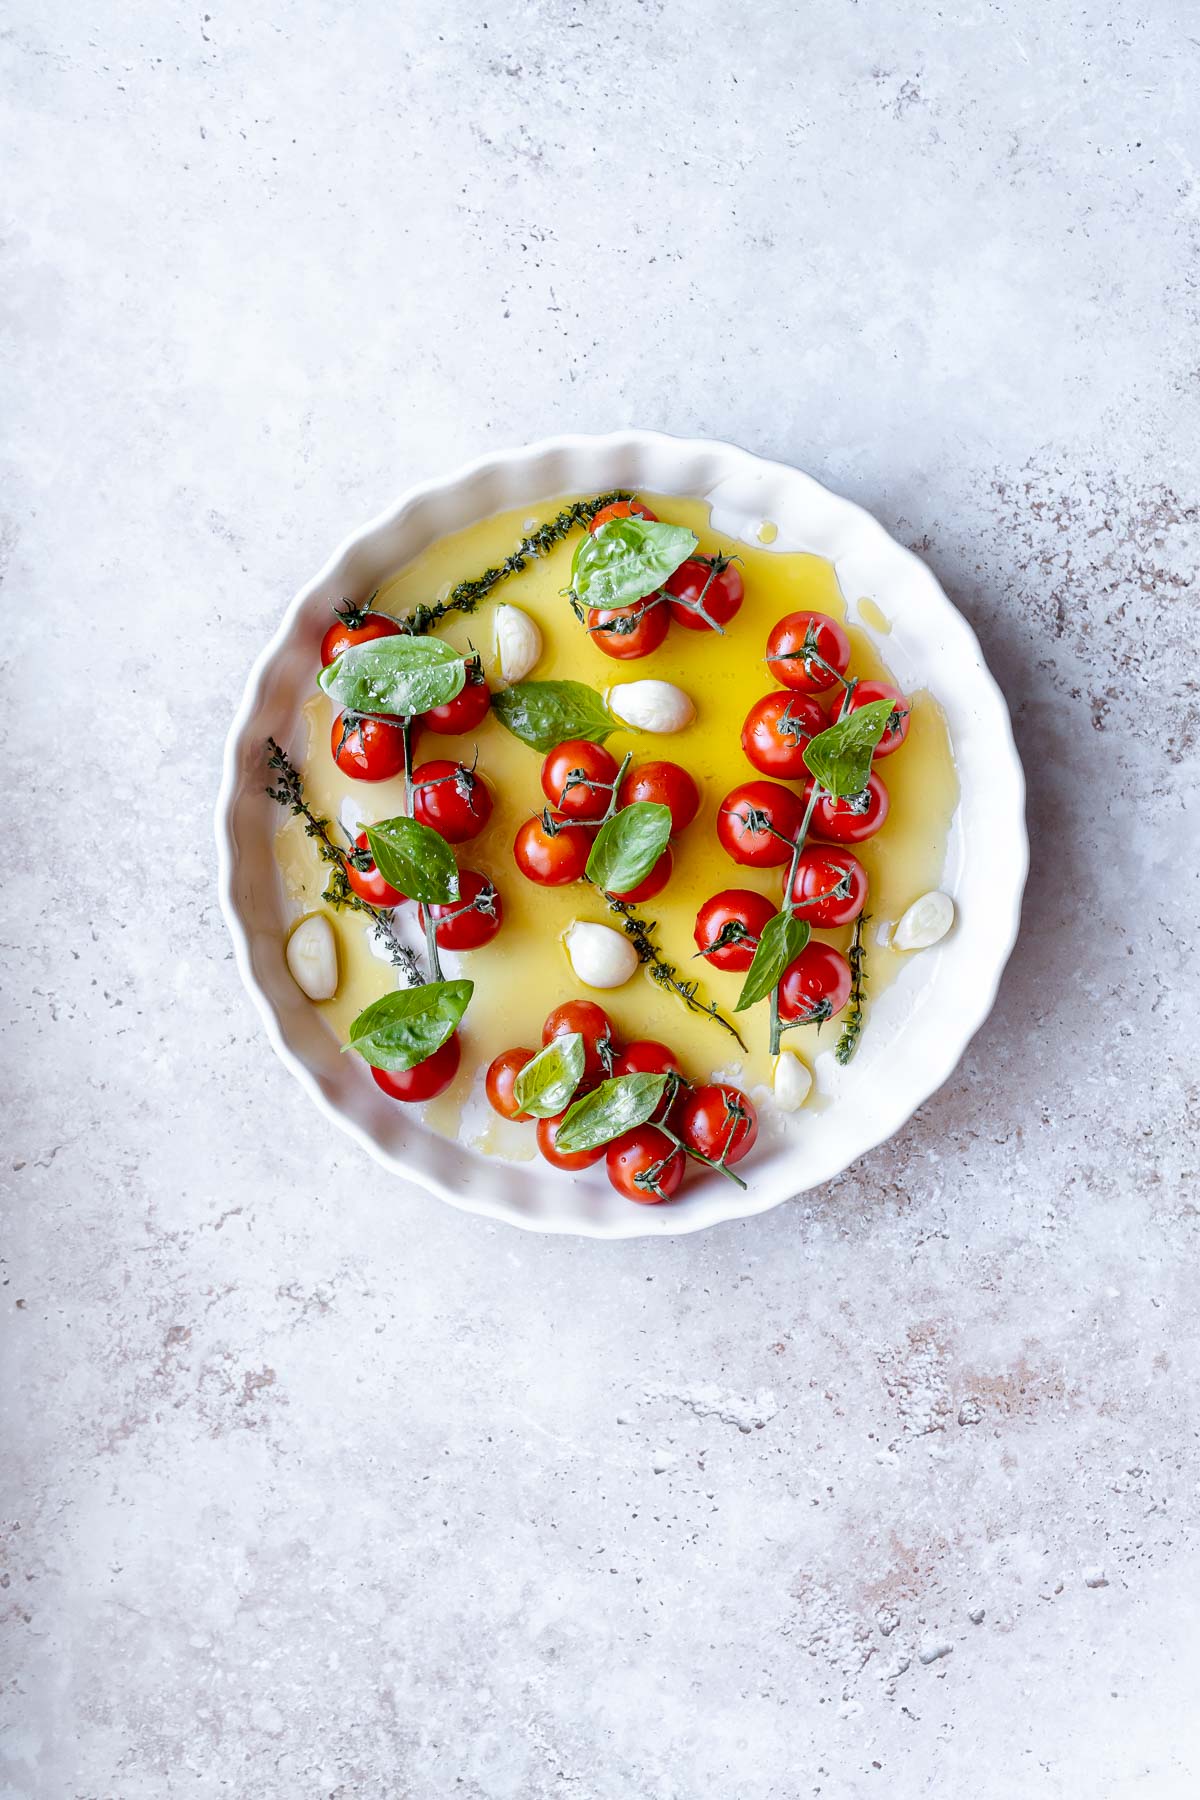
x,y
782,940
628,845
611,1109
415,859
627,559
545,1085
399,675
403,1028
840,758
545,713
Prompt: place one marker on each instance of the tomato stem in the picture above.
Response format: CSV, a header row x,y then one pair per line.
x,y
789,904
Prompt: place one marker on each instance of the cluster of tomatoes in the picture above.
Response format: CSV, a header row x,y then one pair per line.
x,y
578,780
716,1124
703,594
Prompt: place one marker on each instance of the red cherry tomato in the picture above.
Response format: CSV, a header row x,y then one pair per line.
x,y
451,799
593,1025
473,919
367,749
718,1121
646,1165
356,625
801,645
862,694
854,819
551,850
778,728
367,882
830,888
647,1057
621,509
578,777
815,986
654,882
428,1079
547,1143
498,1082
706,592
467,709
627,632
729,925
756,823
666,784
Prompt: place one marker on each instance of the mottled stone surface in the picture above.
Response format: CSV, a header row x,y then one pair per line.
x,y
314,1487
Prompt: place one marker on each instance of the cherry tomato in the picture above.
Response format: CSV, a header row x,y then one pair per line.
x,y
473,919
367,882
627,632
467,709
801,644
621,509
756,823
451,799
777,730
355,625
707,591
666,784
428,1079
367,749
854,819
645,1056
498,1082
815,986
830,888
593,1025
718,1121
646,1165
551,850
729,925
547,1143
654,882
862,694
578,777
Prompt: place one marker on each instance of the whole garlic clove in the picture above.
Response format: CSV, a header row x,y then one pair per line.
x,y
312,957
600,956
518,641
651,705
926,922
792,1081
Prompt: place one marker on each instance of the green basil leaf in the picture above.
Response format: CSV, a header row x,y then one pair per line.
x,y
782,940
402,675
840,758
628,845
627,559
545,1085
415,859
610,1110
545,713
404,1028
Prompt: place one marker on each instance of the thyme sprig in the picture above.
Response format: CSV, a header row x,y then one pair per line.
x,y
856,956
640,931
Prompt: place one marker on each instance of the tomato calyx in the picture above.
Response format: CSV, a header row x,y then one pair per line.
x,y
717,566
353,616
732,932
465,780
809,655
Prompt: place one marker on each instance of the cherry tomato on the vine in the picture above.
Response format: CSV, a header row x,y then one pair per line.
x,y
467,709
621,509
718,1121
862,694
756,823
666,784
367,749
627,632
815,986
498,1082
367,882
830,887
729,925
473,919
593,1025
808,651
547,1143
778,728
650,884
578,777
451,799
855,817
646,1165
706,592
552,851
356,625
427,1079
645,1056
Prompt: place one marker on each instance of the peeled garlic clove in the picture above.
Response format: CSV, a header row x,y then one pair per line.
x,y
600,956
518,643
651,705
312,957
792,1081
926,922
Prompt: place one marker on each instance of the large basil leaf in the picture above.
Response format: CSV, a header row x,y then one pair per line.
x,y
782,940
415,859
545,713
628,845
404,1028
840,758
627,559
610,1110
545,1085
402,675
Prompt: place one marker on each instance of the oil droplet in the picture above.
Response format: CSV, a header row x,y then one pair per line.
x,y
870,615
767,532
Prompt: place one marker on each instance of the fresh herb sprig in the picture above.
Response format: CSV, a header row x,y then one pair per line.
x,y
640,931
856,956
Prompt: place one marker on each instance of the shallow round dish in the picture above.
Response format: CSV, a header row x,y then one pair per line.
x,y
921,1024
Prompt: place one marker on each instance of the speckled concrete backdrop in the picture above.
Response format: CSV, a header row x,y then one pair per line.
x,y
314,1487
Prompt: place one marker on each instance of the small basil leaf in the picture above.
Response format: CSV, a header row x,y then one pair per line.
x,y
545,1085
840,758
403,1028
627,559
415,859
782,940
545,713
610,1110
628,845
401,675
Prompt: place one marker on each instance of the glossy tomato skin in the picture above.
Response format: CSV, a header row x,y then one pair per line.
x,y
451,799
593,1025
712,583
428,1079
816,984
654,882
745,838
718,1121
621,509
466,711
498,1082
821,869
645,1165
627,632
368,883
645,1056
547,1136
742,915
854,819
552,854
473,919
664,784
578,777
862,694
777,730
342,636
788,658
367,749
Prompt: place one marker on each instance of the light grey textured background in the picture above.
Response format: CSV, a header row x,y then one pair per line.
x,y
315,1488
